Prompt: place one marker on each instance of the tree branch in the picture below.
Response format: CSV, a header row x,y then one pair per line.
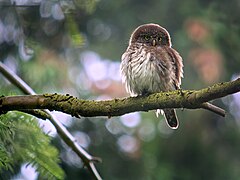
x,y
87,159
16,80
213,108
189,99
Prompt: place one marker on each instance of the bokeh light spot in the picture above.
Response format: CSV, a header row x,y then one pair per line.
x,y
131,120
128,144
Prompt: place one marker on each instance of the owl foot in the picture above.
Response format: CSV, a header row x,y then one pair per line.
x,y
181,91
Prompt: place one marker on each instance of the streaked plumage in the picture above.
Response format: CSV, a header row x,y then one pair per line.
x,y
151,65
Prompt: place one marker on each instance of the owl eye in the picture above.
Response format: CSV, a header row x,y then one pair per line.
x,y
146,37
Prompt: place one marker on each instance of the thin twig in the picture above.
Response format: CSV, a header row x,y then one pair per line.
x,y
2,4
16,80
62,131
37,113
214,109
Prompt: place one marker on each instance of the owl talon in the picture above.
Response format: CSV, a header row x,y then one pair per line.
x,y
145,94
181,91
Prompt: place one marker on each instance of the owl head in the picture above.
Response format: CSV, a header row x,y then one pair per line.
x,y
151,35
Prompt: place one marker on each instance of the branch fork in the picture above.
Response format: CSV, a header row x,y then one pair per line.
x,y
36,105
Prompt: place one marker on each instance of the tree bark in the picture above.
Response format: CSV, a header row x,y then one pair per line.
x,y
189,99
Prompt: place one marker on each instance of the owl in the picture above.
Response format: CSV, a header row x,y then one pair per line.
x,y
151,65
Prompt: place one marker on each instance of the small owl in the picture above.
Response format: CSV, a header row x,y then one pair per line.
x,y
151,65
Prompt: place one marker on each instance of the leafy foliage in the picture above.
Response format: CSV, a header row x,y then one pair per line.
x,y
22,141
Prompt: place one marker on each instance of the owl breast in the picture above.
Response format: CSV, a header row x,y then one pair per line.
x,y
144,71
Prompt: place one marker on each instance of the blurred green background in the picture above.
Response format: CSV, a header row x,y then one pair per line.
x,y
75,47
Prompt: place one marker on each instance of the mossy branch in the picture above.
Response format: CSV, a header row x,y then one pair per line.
x,y
76,107
189,99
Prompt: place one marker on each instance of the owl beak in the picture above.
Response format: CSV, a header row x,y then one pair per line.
x,y
154,42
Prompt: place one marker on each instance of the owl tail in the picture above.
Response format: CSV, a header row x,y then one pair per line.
x,y
171,118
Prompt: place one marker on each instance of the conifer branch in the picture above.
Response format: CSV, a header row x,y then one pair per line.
x,y
87,159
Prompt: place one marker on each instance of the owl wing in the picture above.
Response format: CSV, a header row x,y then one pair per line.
x,y
125,70
123,66
177,63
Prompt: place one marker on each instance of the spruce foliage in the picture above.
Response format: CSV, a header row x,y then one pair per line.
x,y
22,141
